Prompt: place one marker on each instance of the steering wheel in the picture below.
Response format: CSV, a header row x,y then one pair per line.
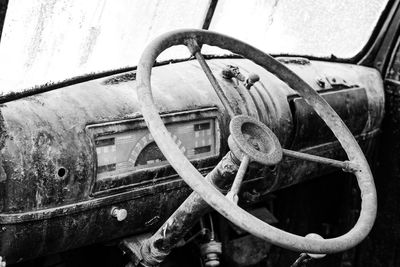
x,y
357,163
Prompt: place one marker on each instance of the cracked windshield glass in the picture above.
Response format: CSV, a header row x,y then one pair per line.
x,y
49,41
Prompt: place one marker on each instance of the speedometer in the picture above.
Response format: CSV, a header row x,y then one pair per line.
x,y
146,152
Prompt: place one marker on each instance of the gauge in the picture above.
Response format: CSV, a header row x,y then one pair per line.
x,y
135,150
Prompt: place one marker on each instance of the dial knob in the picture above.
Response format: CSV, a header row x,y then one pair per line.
x,y
119,214
252,79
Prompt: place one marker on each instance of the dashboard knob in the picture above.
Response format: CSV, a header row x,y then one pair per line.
x,y
252,79
119,214
231,71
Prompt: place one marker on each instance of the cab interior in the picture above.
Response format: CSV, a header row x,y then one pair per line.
x,y
271,139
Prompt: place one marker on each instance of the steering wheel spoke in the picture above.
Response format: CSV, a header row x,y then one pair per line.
x,y
195,49
347,166
232,195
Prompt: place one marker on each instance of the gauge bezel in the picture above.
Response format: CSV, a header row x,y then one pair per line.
x,y
142,177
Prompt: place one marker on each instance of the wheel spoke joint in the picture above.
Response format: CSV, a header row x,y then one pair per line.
x,y
350,166
193,46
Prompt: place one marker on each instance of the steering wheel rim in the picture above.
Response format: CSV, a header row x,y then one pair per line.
x,y
209,193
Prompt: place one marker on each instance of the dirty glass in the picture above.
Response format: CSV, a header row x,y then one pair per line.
x,y
319,28
47,41
52,40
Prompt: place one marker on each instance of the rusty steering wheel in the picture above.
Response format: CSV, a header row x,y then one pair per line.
x,y
357,163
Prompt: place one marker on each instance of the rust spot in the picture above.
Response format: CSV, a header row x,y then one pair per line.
x,y
294,60
126,77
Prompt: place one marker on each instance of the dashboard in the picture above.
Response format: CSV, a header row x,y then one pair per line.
x,y
70,155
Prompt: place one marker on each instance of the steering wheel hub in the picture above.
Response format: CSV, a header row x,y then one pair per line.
x,y
253,138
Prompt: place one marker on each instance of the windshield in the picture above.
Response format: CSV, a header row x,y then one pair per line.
x,y
48,41
296,27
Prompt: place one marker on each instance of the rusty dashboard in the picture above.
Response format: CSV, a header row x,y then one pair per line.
x,y
70,155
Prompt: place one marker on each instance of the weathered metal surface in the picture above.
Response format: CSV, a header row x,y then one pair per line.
x,y
91,102
350,104
30,239
46,132
45,162
42,134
